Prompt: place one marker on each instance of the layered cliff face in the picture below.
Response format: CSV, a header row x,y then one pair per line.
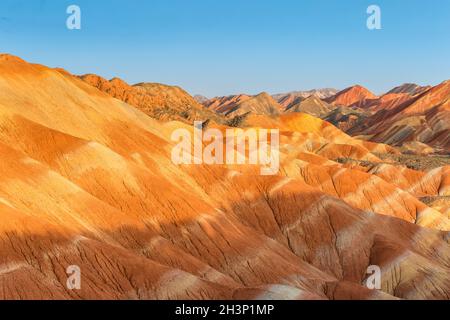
x,y
88,180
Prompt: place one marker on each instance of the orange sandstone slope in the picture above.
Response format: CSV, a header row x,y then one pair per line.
x,y
356,96
88,180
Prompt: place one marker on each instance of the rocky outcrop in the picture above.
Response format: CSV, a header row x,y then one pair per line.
x,y
157,100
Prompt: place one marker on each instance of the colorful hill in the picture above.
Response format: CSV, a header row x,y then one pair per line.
x,y
87,179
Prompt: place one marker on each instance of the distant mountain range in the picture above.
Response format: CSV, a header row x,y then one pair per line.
x,y
408,115
284,98
391,118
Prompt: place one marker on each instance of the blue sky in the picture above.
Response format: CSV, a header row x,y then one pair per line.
x,y
224,47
